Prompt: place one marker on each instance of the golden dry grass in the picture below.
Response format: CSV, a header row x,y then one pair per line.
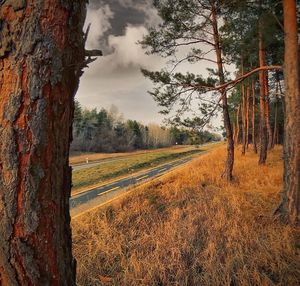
x,y
191,228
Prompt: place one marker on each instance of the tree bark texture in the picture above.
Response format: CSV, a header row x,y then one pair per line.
x,y
262,102
41,54
290,206
227,123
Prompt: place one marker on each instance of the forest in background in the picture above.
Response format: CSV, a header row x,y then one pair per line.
x,y
108,131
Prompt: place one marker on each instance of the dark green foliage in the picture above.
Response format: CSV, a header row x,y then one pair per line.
x,y
107,131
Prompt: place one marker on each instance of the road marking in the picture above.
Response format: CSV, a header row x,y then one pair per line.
x,y
109,191
162,170
142,178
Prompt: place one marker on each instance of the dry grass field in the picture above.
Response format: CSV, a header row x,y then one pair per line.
x,y
191,228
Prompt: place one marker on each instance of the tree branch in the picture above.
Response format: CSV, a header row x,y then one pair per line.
x,y
233,83
93,53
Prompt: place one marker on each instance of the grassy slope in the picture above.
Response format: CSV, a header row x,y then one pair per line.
x,y
192,229
80,157
129,165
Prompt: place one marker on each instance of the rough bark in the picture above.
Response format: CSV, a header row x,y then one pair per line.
x,y
253,118
40,54
290,206
262,102
227,123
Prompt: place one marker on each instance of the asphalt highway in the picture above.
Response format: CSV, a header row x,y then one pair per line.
x,y
87,200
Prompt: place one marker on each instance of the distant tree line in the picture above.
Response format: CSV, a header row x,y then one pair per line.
x,y
108,131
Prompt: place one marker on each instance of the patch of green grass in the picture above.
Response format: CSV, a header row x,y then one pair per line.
x,y
115,169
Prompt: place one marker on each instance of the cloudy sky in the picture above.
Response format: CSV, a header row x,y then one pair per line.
x,y
115,78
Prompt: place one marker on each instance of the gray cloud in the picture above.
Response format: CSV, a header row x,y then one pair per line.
x,y
115,78
116,15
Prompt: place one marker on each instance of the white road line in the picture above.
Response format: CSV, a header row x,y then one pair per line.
x,y
109,190
142,178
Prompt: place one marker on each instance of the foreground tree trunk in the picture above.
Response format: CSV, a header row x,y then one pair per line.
x,y
262,102
227,123
41,56
290,206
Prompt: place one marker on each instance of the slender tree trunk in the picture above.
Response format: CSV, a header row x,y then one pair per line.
x,y
244,119
275,125
237,140
40,55
262,101
253,118
227,123
247,115
274,141
290,206
282,99
267,106
234,132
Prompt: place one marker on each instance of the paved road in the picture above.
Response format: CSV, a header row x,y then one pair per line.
x,y
82,202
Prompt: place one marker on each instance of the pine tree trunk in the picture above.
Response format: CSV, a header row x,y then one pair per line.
x,y
253,118
262,102
40,56
234,132
237,141
290,206
247,115
267,105
243,119
227,123
274,141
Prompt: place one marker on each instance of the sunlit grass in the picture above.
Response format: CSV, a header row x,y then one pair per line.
x,y
192,228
